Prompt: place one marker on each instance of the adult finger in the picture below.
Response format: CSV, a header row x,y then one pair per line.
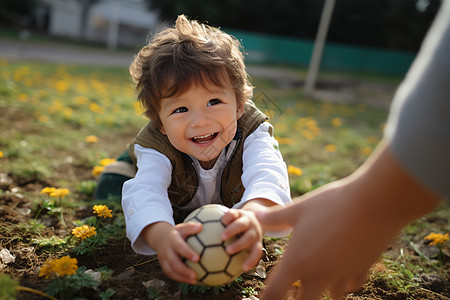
x,y
338,290
345,286
279,282
312,289
280,218
356,283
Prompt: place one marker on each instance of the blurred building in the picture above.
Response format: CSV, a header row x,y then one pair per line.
x,y
124,23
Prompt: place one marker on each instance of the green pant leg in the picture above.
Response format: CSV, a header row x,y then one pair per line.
x,y
113,177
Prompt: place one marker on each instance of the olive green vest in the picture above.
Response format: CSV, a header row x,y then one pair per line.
x,y
184,176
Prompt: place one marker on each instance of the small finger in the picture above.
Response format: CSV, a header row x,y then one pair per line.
x,y
187,252
169,266
253,257
244,241
190,228
180,270
230,216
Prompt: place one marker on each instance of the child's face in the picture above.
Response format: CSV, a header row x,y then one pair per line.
x,y
202,121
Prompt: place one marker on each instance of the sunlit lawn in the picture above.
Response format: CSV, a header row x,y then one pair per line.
x,y
48,111
54,107
320,141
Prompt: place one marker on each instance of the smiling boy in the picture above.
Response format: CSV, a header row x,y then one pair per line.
x,y
206,143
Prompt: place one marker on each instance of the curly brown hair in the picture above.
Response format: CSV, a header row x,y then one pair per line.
x,y
189,53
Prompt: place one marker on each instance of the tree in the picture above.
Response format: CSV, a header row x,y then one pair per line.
x,y
16,12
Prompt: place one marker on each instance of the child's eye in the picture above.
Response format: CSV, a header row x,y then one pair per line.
x,y
180,110
214,102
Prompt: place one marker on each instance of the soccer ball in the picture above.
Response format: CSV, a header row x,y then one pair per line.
x,y
215,266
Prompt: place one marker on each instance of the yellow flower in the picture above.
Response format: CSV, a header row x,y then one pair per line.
x,y
336,122
61,85
330,148
91,139
102,211
48,190
1,154
81,100
59,193
43,119
366,151
68,112
65,266
294,170
285,140
95,108
84,231
372,140
106,161
97,170
46,269
22,97
437,238
138,109
307,134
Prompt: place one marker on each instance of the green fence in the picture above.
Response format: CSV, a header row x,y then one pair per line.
x,y
273,49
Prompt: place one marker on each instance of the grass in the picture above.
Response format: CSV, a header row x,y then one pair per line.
x,y
54,108
60,105
325,140
48,110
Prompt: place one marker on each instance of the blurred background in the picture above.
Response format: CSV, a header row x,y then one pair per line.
x,y
379,36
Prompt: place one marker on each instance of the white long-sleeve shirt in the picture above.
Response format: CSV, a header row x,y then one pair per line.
x,y
145,199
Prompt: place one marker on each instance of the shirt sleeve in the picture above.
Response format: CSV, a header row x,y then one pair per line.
x,y
264,171
418,128
144,197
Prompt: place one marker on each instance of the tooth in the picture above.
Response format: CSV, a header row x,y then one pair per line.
x,y
204,136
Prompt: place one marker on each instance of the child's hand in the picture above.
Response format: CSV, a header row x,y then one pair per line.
x,y
244,223
171,249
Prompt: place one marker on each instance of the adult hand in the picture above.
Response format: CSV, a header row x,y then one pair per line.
x,y
340,229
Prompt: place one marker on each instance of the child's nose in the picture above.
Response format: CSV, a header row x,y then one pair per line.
x,y
200,119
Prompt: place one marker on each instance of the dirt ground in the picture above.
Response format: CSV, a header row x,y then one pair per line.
x,y
131,271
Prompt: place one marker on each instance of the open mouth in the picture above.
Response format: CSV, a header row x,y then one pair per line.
x,y
204,138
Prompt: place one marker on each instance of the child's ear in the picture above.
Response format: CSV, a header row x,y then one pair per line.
x,y
162,130
240,110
